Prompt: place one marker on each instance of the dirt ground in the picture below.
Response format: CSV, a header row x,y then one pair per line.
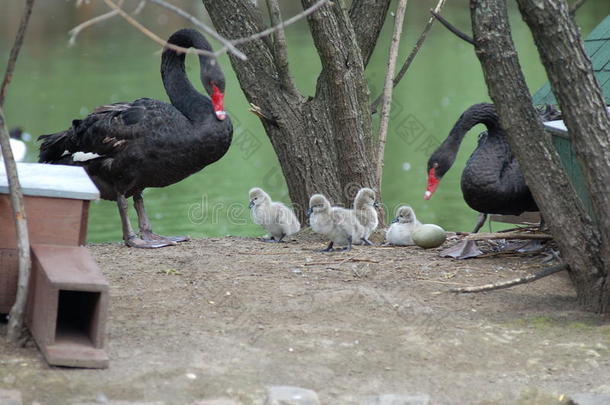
x,y
227,317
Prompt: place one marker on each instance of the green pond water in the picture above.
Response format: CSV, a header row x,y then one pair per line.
x,y
54,84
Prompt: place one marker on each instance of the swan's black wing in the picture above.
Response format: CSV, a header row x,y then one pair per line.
x,y
108,130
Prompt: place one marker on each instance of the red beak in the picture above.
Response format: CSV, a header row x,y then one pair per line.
x,y
218,103
432,184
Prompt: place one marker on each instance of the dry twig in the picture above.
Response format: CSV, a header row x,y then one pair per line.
x,y
453,29
387,91
283,24
154,36
16,328
280,50
412,55
508,235
227,45
575,6
506,284
74,32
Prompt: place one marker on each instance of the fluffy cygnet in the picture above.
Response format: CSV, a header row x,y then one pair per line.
x,y
340,225
402,227
364,208
275,217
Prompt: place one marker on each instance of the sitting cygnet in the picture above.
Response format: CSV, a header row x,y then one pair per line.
x,y
364,208
340,225
402,227
275,217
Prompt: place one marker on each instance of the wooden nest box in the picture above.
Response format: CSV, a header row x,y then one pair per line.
x,y
68,295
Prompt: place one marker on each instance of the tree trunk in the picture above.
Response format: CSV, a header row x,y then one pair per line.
x,y
16,325
578,238
323,142
582,103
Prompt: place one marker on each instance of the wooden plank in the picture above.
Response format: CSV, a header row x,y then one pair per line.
x,y
70,267
56,221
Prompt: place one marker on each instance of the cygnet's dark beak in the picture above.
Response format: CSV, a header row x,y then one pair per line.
x,y
395,220
251,204
309,212
376,204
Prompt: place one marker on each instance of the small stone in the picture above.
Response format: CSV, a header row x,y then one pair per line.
x,y
286,395
394,399
191,376
10,397
101,398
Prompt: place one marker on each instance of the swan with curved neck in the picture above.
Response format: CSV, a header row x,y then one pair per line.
x,y
492,182
127,147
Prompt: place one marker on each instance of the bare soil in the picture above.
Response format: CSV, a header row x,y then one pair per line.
x,y
226,317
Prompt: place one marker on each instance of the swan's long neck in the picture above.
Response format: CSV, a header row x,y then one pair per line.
x,y
483,113
181,92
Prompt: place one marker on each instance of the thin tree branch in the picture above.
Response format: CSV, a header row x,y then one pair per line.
x,y
154,36
74,32
283,24
227,44
508,235
412,55
575,6
510,283
452,28
16,322
140,7
387,90
279,49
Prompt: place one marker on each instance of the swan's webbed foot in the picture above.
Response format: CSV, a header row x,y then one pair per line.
x,y
273,240
367,242
149,239
462,250
268,240
329,248
134,241
150,236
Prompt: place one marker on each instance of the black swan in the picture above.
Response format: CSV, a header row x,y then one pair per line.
x,y
127,147
492,182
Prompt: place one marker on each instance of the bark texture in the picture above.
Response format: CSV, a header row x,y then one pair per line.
x,y
323,142
578,237
16,325
571,76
